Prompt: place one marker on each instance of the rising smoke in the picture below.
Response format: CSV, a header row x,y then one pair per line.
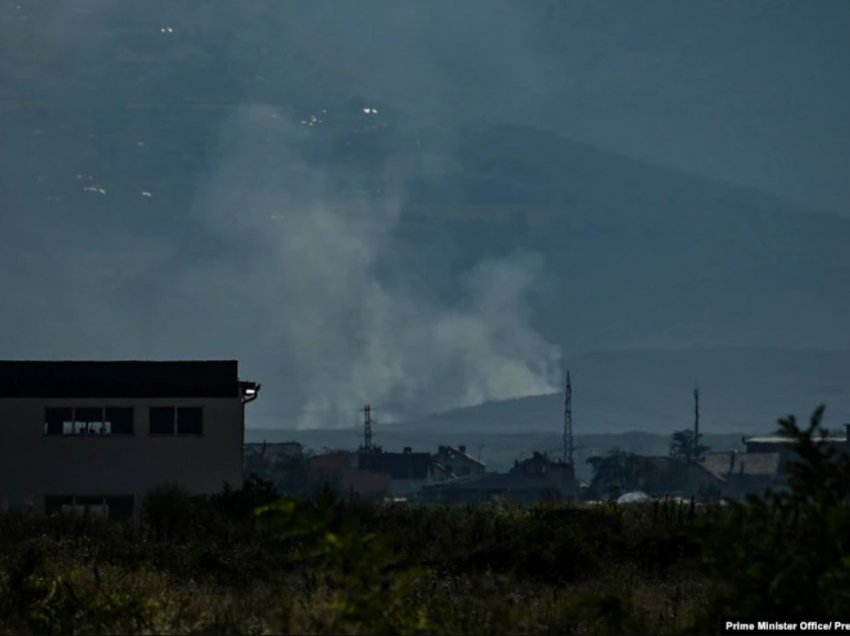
x,y
310,246
145,214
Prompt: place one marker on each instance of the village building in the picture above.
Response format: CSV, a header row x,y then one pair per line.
x,y
409,472
373,472
338,470
538,478
457,462
742,474
671,477
95,436
785,447
765,464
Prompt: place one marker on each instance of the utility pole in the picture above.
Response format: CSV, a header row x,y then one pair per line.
x,y
568,421
367,427
696,424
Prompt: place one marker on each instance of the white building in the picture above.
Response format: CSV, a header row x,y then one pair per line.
x,y
97,436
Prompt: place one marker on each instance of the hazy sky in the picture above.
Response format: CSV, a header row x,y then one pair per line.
x,y
754,92
751,92
222,179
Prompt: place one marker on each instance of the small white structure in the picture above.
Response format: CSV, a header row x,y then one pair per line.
x,y
94,437
634,497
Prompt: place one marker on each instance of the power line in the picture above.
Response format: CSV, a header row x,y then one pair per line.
x,y
696,424
568,421
367,427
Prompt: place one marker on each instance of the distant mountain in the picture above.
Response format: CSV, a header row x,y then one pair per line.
x,y
741,390
636,255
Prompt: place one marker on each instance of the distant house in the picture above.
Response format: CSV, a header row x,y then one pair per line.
x,y
743,474
765,464
96,436
457,462
541,465
338,469
671,477
409,472
785,448
532,480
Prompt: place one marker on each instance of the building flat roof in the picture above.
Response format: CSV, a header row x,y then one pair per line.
x,y
776,439
118,379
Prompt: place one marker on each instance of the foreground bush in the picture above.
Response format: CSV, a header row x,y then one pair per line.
x,y
332,567
786,555
250,562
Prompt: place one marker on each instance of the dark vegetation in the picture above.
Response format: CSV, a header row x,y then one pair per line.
x,y
251,562
683,448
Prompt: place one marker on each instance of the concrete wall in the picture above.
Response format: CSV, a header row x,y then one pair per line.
x,y
33,464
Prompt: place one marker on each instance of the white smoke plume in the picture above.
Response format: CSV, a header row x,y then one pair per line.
x,y
307,292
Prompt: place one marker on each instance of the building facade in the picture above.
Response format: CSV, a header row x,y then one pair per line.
x,y
536,479
96,436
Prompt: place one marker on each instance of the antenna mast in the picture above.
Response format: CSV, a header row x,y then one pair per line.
x,y
367,427
696,424
568,421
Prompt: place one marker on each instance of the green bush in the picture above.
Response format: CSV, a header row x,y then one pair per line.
x,y
168,511
786,555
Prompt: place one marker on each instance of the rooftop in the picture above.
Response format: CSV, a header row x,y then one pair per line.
x,y
724,464
118,379
777,439
453,451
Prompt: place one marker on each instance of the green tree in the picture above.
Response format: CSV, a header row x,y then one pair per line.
x,y
619,472
788,553
167,509
682,447
290,473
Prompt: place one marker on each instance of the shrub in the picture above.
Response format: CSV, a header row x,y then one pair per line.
x,y
786,555
167,511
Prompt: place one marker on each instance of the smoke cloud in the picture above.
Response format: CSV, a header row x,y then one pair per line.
x,y
176,181
312,284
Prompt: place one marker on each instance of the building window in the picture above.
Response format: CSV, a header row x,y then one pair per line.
x,y
184,420
162,420
88,421
189,421
57,421
118,420
105,507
